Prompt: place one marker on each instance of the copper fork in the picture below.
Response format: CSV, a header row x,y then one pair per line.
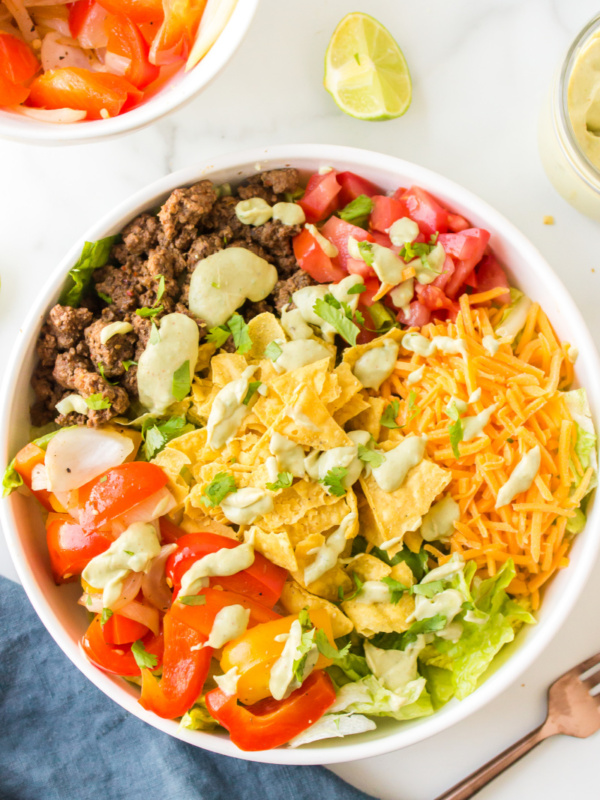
x,y
573,709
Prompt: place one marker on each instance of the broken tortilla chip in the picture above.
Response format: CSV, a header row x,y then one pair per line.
x,y
275,546
306,421
295,597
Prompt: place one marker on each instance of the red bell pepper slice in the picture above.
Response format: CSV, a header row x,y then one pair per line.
x,y
262,581
117,660
119,630
185,668
26,460
271,723
125,39
201,618
71,548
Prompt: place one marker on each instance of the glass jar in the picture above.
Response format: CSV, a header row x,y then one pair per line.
x,y
571,172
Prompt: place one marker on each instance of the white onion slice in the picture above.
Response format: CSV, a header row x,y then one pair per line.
x,y
77,455
154,582
118,65
131,587
39,478
23,20
155,506
59,116
56,53
214,19
139,612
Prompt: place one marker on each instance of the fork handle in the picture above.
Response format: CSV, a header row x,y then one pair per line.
x,y
477,780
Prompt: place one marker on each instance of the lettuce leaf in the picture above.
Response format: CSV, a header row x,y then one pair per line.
x,y
586,443
11,479
93,256
369,696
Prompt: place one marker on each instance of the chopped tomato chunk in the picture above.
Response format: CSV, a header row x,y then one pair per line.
x,y
416,315
353,186
321,196
490,275
310,256
424,210
338,231
18,65
140,11
386,210
467,248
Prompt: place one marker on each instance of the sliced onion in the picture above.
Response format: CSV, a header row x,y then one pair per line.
x,y
39,478
23,20
214,20
139,612
154,582
155,506
131,587
93,602
77,455
55,53
118,65
59,116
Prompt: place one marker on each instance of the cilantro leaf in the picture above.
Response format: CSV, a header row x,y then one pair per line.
x,y
143,659
106,615
333,481
192,599
103,376
327,649
97,402
93,256
357,210
307,642
182,381
358,288
284,481
218,336
127,364
358,584
369,456
149,312
366,252
161,288
157,435
241,337
416,250
396,589
11,479
388,418
253,387
217,490
154,334
327,310
273,351
455,429
398,641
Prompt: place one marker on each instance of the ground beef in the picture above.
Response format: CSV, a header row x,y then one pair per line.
x,y
193,223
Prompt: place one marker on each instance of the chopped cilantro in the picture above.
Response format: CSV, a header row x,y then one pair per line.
x,y
217,490
127,364
157,435
253,387
327,649
395,588
108,300
333,481
273,351
154,334
241,337
182,381
161,288
129,552
143,659
103,479
366,252
416,250
455,429
358,288
218,336
103,376
93,256
284,481
357,211
97,402
149,312
357,58
186,473
307,642
369,456
330,310
192,599
389,416
358,584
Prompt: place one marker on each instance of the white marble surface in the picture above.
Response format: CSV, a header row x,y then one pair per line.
x,y
481,69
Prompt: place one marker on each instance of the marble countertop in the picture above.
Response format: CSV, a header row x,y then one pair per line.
x,y
481,70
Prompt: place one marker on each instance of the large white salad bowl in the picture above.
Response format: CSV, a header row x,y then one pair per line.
x,y
22,522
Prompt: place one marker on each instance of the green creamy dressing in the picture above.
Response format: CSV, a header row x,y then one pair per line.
x,y
289,213
398,463
438,522
394,668
282,681
449,602
416,375
473,426
294,325
427,270
246,505
387,265
317,464
113,329
177,343
133,551
583,100
328,553
229,623
326,246
304,299
377,364
299,353
422,346
254,211
228,411
227,561
373,592
221,283
289,455
403,231
490,344
403,293
522,477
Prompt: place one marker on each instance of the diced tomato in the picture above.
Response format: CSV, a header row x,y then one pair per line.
x,y
125,39
446,273
432,297
271,723
456,223
176,34
140,11
353,186
262,581
121,630
185,669
169,533
201,618
118,660
117,491
313,260
386,210
467,249
255,652
18,65
70,547
338,231
26,460
424,210
417,315
73,87
358,267
384,240
490,275
321,197
372,286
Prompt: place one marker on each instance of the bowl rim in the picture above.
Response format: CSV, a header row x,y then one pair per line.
x,y
245,162
27,131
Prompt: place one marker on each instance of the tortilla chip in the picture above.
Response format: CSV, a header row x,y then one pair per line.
x,y
172,462
199,522
292,504
275,546
315,374
205,352
413,540
352,408
328,584
352,354
403,573
369,419
348,386
295,597
316,427
401,511
268,408
319,519
203,393
368,567
227,367
263,329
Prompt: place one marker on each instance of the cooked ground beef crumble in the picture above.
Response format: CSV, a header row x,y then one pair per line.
x,y
192,224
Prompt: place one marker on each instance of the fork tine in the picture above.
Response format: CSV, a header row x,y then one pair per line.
x,y
586,665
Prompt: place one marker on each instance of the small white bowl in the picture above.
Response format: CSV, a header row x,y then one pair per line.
x,y
21,519
180,90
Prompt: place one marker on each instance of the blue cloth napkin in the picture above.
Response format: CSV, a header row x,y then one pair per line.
x,y
63,739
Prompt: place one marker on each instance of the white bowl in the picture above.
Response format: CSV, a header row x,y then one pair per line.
x,y
180,90
21,519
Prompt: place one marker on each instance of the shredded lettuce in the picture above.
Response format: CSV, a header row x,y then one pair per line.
x,y
333,725
93,256
198,718
369,696
512,321
586,443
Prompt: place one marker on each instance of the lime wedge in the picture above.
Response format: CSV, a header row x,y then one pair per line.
x,y
365,70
